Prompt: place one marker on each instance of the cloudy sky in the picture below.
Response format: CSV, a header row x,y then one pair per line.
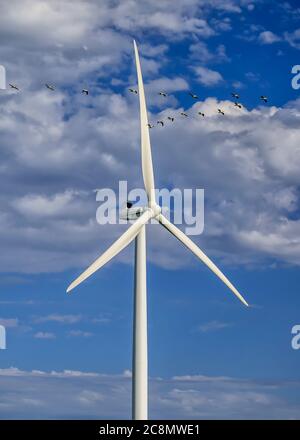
x,y
209,356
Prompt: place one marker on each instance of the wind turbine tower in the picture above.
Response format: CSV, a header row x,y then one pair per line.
x,y
137,232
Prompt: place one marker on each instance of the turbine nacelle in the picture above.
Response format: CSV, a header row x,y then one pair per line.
x,y
131,212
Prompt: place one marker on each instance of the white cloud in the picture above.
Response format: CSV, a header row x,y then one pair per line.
x,y
166,17
9,322
63,319
268,37
168,85
252,76
80,334
238,85
127,373
101,320
213,326
244,145
44,335
37,205
76,395
200,51
57,147
293,38
88,397
13,371
207,77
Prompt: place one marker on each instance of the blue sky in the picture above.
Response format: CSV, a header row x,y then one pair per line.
x,y
209,357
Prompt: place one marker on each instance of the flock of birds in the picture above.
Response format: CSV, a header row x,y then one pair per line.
x,y
48,86
195,97
164,95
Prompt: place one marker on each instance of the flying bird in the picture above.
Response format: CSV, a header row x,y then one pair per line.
x,y
184,114
161,123
164,94
193,96
201,114
85,91
264,98
221,112
150,125
13,86
133,91
171,118
235,95
50,87
237,104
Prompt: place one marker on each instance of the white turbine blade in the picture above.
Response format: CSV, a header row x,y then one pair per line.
x,y
147,166
197,251
114,249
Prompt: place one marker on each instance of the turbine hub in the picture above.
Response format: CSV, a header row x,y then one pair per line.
x,y
155,208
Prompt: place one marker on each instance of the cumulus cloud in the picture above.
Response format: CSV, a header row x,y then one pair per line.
x,y
58,147
38,223
293,38
268,37
168,85
37,205
200,51
207,77
79,395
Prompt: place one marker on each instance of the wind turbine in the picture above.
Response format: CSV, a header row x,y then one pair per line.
x,y
137,231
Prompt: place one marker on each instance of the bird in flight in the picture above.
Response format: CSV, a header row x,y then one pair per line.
x,y
201,114
85,91
161,123
13,86
193,96
237,104
221,112
235,95
264,98
50,87
150,125
171,118
184,114
133,91
164,94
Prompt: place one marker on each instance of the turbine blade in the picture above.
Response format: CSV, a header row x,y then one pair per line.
x,y
113,250
147,166
197,251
